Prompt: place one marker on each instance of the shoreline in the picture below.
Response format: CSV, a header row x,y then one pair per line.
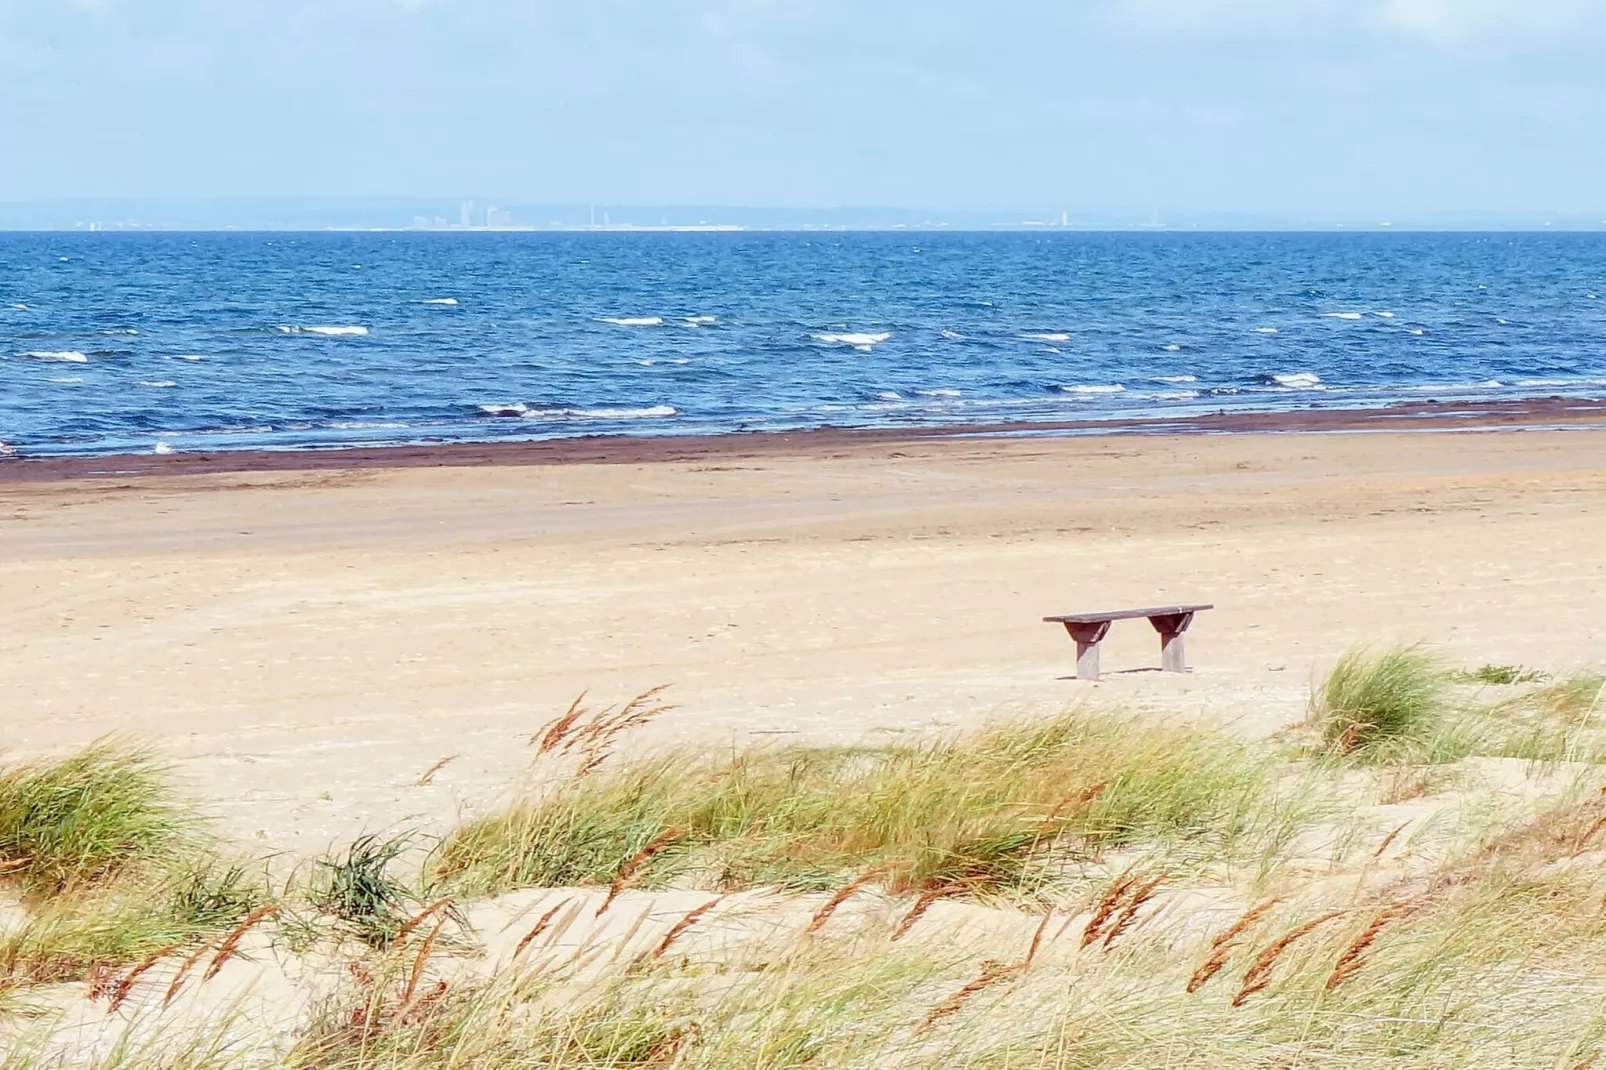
x,y
1555,413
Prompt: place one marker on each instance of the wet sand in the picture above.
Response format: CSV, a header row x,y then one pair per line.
x,y
306,633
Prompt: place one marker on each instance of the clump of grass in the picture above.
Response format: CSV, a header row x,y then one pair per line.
x,y
1499,675
1555,722
982,813
1378,705
76,821
358,889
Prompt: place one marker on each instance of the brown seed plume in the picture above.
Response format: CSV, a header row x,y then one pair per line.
x,y
986,979
842,895
1106,906
554,733
675,932
1389,839
1221,946
1141,895
225,950
429,774
1258,976
922,904
1037,942
540,927
123,987
628,869
423,916
183,969
421,960
1349,963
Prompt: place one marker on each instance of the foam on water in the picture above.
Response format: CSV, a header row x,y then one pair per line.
x,y
1384,315
440,300
699,321
1094,390
1176,378
1296,380
1343,315
20,307
158,384
1266,330
1173,348
121,331
1046,336
939,393
863,342
328,332
953,336
189,356
633,321
68,356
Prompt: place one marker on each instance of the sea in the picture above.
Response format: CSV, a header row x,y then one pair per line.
x,y
139,342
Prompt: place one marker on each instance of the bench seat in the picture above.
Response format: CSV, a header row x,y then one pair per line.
x,y
1089,629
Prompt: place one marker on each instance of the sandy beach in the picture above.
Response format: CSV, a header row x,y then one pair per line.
x,y
305,641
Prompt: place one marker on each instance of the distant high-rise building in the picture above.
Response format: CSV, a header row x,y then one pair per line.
x,y
466,214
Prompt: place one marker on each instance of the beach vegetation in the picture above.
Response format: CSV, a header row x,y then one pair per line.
x,y
994,811
1389,704
1499,675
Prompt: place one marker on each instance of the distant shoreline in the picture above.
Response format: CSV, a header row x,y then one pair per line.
x,y
1417,417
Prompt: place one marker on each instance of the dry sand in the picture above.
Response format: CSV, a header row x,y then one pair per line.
x,y
306,643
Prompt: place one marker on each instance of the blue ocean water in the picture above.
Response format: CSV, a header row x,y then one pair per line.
x,y
118,342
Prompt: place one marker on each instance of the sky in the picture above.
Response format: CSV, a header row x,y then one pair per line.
x,y
1375,109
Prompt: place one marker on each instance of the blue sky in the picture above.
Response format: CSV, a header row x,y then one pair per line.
x,y
1390,108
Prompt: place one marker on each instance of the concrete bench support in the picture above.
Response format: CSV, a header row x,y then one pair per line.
x,y
1089,629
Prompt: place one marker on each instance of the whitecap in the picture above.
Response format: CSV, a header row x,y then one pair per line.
x,y
157,384
330,332
1297,380
162,448
650,412
1111,388
517,408
121,331
650,362
20,307
939,393
1265,330
888,395
1047,336
864,343
1173,348
1176,378
1175,395
188,356
1342,315
1419,332
1384,315
1052,349
633,321
699,321
954,335
1545,382
66,378
1592,297
65,356
440,300
63,259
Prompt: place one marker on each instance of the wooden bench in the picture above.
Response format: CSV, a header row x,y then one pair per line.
x,y
1089,630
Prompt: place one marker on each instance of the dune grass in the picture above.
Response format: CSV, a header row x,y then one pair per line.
x,y
1384,705
983,813
107,866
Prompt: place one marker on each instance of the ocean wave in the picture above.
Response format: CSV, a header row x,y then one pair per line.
x,y
1343,315
1176,379
699,321
953,336
1173,395
158,384
652,361
1046,336
162,448
521,410
633,321
1266,330
66,378
888,395
1419,332
1173,348
863,342
20,307
189,356
328,332
943,393
440,301
1384,315
69,356
1089,391
1294,380
120,331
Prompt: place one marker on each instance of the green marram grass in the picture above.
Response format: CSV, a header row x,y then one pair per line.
x,y
989,812
1386,704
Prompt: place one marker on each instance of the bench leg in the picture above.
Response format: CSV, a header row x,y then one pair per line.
x,y
1088,637
1173,653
